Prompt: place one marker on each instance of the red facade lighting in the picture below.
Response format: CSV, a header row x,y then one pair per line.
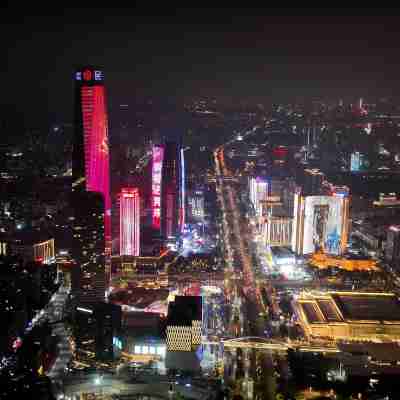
x,y
129,222
158,157
95,132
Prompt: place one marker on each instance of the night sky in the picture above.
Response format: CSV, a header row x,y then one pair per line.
x,y
235,53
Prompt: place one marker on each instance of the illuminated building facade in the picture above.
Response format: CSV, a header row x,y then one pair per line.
x,y
44,251
356,161
156,174
196,205
387,200
277,231
129,222
258,194
91,153
184,323
182,191
349,316
173,191
32,246
3,248
320,223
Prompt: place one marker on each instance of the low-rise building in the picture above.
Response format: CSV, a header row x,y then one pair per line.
x,y
349,316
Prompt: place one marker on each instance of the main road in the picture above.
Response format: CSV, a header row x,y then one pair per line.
x,y
237,239
241,276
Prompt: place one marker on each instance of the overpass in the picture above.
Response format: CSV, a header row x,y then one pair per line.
x,y
259,343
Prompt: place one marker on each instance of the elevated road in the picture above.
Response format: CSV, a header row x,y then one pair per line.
x,y
259,343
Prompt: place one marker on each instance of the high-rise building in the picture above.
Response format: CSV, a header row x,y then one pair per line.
x,y
129,222
91,153
156,172
392,250
88,279
182,192
355,161
196,205
173,191
90,197
320,223
258,194
107,318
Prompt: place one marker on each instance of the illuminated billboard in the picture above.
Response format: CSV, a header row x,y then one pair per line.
x,y
158,156
320,224
182,193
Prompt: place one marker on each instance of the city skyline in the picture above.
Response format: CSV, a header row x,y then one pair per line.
x,y
201,226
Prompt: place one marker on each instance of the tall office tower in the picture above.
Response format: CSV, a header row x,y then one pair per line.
x,y
320,223
196,205
392,250
156,174
107,318
88,247
258,194
91,153
173,191
129,222
182,192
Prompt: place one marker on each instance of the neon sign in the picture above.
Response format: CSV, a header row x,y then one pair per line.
x,y
182,205
89,75
158,157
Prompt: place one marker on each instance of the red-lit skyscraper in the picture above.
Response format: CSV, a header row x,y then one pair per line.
x,y
129,222
157,163
91,154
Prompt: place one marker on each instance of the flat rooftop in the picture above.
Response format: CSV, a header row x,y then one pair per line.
x,y
368,306
349,307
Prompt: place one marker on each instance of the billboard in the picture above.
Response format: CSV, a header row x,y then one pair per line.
x,y
158,156
323,224
182,193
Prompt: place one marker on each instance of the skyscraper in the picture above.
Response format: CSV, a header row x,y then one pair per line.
x,y
173,191
90,197
129,222
156,172
320,223
88,247
392,251
91,152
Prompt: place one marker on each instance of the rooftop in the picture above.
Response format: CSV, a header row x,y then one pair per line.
x,y
363,306
350,307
